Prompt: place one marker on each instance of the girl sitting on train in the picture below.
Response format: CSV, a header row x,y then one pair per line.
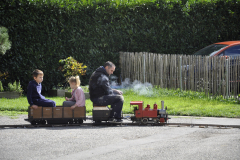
x,y
78,97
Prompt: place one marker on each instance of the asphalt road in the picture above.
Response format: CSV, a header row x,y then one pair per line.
x,y
103,143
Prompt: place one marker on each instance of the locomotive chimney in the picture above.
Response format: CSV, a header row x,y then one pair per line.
x,y
162,104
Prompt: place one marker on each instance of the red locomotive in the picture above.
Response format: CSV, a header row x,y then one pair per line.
x,y
146,115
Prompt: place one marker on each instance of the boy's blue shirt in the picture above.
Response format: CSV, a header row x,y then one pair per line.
x,y
34,92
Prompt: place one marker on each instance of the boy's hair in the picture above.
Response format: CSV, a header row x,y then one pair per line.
x,y
110,64
37,72
75,79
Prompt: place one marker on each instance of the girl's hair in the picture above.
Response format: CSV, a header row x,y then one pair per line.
x,y
75,80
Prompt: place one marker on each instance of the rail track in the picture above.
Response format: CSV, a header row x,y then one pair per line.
x,y
120,124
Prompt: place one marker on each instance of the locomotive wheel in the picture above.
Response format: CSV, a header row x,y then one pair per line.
x,y
166,118
70,122
156,120
144,120
33,123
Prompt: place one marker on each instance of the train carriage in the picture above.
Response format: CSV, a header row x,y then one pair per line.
x,y
56,115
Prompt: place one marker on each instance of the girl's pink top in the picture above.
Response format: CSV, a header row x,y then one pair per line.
x,y
79,97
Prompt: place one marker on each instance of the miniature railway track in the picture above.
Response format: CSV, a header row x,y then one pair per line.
x,y
120,124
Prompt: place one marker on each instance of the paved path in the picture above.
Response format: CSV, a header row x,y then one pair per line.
x,y
205,120
138,142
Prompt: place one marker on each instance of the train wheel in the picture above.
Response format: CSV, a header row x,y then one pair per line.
x,y
144,120
70,122
166,118
98,121
43,122
76,121
33,123
80,121
156,120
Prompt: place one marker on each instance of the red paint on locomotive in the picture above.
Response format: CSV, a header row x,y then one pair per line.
x,y
162,120
146,115
138,112
147,112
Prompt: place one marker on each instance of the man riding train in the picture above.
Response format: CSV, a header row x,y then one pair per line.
x,y
102,94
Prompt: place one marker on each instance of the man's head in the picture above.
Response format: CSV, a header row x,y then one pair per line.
x,y
38,75
110,67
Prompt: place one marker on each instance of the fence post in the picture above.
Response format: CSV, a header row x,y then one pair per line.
x,y
180,73
206,75
144,67
227,78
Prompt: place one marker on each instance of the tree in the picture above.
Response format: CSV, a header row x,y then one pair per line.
x,y
5,44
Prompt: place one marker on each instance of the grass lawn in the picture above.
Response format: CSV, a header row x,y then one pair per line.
x,y
178,103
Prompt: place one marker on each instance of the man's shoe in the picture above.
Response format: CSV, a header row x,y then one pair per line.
x,y
112,120
119,120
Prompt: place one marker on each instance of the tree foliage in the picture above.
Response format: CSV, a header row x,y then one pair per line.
x,y
5,44
44,31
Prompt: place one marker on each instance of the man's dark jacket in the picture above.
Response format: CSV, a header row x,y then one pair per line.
x,y
99,84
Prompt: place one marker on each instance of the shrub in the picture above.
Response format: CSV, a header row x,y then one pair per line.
x,y
71,67
5,44
1,87
15,87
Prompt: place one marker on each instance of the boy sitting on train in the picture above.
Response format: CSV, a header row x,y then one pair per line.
x,y
34,96
78,97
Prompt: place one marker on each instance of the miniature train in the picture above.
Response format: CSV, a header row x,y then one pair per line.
x,y
66,115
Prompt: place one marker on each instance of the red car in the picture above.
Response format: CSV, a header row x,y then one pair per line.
x,y
229,48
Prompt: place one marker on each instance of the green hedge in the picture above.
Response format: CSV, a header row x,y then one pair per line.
x,y
43,32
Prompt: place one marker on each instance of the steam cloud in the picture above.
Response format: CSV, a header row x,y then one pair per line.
x,y
145,89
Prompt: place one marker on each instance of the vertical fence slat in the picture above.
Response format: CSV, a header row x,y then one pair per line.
x,y
161,70
238,75
185,72
205,75
175,72
235,79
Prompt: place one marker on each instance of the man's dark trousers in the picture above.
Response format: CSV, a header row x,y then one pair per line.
x,y
115,100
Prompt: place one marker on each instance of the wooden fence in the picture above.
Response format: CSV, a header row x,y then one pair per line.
x,y
212,75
